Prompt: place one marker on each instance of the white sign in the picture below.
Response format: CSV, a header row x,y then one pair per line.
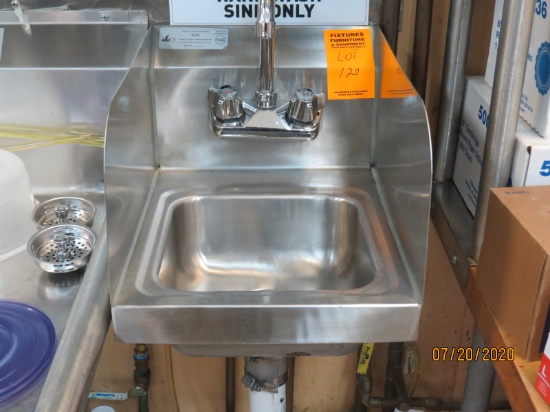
x,y
193,38
1,40
288,12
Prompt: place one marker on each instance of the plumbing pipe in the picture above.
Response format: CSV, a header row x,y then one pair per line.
x,y
391,13
142,376
229,384
290,384
479,380
421,48
268,401
404,403
395,384
266,378
517,20
452,88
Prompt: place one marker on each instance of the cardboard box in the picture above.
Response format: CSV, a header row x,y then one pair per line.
x,y
531,163
542,384
513,271
535,100
493,45
471,140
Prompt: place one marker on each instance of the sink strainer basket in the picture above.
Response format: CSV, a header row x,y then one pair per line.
x,y
62,248
70,210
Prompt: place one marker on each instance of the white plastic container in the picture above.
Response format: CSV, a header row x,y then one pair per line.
x,y
16,205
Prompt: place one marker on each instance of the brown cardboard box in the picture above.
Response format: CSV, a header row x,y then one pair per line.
x,y
514,266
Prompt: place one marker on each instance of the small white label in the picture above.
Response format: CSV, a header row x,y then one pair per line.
x,y
1,40
193,38
289,12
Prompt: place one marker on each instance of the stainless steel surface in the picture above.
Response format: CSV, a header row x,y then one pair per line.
x,y
226,103
517,21
298,120
278,240
479,380
241,209
62,248
402,169
455,226
68,378
54,90
421,47
305,105
265,23
452,88
266,96
275,317
64,210
52,83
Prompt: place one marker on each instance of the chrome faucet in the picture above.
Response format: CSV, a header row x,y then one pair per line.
x,y
266,96
230,116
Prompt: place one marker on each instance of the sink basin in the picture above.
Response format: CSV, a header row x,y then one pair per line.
x,y
262,246
266,242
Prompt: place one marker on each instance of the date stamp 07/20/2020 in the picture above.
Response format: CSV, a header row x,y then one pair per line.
x,y
460,354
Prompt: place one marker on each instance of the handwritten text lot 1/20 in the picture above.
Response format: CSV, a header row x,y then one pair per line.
x,y
350,64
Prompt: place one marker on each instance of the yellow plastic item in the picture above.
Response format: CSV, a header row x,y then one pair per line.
x,y
364,358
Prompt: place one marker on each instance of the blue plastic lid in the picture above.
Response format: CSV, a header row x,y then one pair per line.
x,y
27,344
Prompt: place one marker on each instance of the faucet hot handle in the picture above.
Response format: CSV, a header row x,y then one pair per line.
x,y
226,103
304,105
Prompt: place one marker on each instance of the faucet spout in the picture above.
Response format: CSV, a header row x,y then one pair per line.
x,y
266,96
265,23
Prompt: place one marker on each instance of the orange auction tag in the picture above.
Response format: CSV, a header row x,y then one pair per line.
x,y
395,83
350,64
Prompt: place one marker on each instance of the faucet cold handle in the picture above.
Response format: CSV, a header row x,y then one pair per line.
x,y
226,103
304,105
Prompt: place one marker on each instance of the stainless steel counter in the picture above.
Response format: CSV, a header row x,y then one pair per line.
x,y
22,280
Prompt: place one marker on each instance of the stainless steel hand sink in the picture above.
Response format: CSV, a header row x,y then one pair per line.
x,y
263,246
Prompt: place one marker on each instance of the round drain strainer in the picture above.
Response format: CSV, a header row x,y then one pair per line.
x,y
62,248
27,344
71,210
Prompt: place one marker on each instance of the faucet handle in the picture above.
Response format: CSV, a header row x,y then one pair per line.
x,y
304,105
226,102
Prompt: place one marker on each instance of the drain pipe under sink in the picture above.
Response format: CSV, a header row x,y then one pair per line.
x,y
266,378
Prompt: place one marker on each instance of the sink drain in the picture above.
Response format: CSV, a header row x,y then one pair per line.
x,y
73,210
62,248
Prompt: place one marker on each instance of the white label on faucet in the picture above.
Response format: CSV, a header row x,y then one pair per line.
x,y
1,40
287,12
193,38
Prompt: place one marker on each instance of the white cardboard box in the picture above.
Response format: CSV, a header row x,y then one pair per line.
x,y
535,101
493,45
531,163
